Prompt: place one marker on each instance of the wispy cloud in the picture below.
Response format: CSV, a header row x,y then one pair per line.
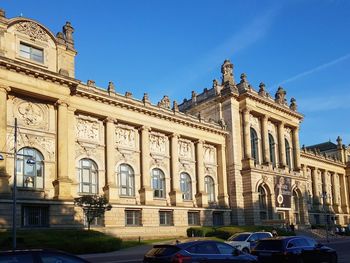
x,y
328,103
316,69
249,34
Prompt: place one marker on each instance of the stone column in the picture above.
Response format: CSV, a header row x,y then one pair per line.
x,y
296,147
247,143
111,188
335,195
146,193
265,140
4,177
201,196
315,191
281,145
63,183
175,193
343,193
222,176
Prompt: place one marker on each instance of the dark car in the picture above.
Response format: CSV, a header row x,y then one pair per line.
x,y
294,249
39,256
197,251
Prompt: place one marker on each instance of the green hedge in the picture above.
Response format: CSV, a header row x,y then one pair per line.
x,y
72,241
226,231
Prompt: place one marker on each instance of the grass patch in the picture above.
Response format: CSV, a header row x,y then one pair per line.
x,y
72,241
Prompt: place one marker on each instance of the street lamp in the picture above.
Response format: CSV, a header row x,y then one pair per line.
x,y
324,198
30,161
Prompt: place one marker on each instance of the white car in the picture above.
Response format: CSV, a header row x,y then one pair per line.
x,y
247,240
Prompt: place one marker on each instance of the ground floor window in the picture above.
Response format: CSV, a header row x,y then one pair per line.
x,y
133,217
193,218
165,218
218,218
96,222
35,216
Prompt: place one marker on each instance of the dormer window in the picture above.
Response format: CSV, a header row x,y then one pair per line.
x,y
32,53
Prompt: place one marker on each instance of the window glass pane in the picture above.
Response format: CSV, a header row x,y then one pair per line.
x,y
86,163
39,182
16,258
24,48
28,168
86,188
86,176
224,249
93,178
24,54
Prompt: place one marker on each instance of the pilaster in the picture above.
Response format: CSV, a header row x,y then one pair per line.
x,y
175,193
296,147
265,140
222,176
63,183
4,176
146,193
247,143
335,193
201,196
110,189
281,145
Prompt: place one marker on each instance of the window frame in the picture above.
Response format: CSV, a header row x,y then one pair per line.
x,y
43,216
168,218
193,218
129,180
23,178
31,56
158,180
254,145
136,217
263,204
272,148
186,186
288,153
209,187
93,171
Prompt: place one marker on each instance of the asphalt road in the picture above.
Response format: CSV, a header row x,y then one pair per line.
x,y
135,254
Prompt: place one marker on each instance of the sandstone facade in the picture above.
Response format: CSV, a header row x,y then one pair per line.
x,y
229,155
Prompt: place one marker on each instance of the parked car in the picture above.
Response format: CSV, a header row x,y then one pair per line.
x,y
294,249
39,256
247,241
197,251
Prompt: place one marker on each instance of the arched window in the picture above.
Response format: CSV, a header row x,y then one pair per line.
x,y
30,175
209,188
158,183
186,186
272,150
126,180
88,177
288,155
254,142
296,207
262,203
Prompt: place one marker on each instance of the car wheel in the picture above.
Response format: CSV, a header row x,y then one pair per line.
x,y
245,250
333,259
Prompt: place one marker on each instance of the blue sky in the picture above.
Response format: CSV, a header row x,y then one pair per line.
x,y
173,47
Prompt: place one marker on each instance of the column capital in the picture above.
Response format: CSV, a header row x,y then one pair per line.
x,y
199,142
109,119
63,103
265,117
145,128
174,135
4,88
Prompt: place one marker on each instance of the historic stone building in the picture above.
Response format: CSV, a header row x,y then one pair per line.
x,y
229,155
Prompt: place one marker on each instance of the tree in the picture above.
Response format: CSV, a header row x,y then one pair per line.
x,y
93,206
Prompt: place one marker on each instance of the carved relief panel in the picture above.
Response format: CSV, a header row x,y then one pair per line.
x,y
210,162
185,149
255,123
31,29
271,128
125,137
288,135
87,128
158,143
31,113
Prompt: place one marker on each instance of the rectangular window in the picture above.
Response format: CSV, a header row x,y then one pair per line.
x,y
193,218
96,222
218,218
32,53
165,218
35,216
133,217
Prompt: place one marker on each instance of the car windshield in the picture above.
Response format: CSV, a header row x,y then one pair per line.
x,y
239,237
269,245
160,251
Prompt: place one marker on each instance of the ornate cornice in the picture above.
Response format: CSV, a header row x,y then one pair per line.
x,y
270,103
321,158
150,110
37,72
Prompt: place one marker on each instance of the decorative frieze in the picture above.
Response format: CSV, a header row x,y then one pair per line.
x,y
125,137
33,30
158,143
87,129
185,149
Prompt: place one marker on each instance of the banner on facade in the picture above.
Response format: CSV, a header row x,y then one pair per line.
x,y
283,192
